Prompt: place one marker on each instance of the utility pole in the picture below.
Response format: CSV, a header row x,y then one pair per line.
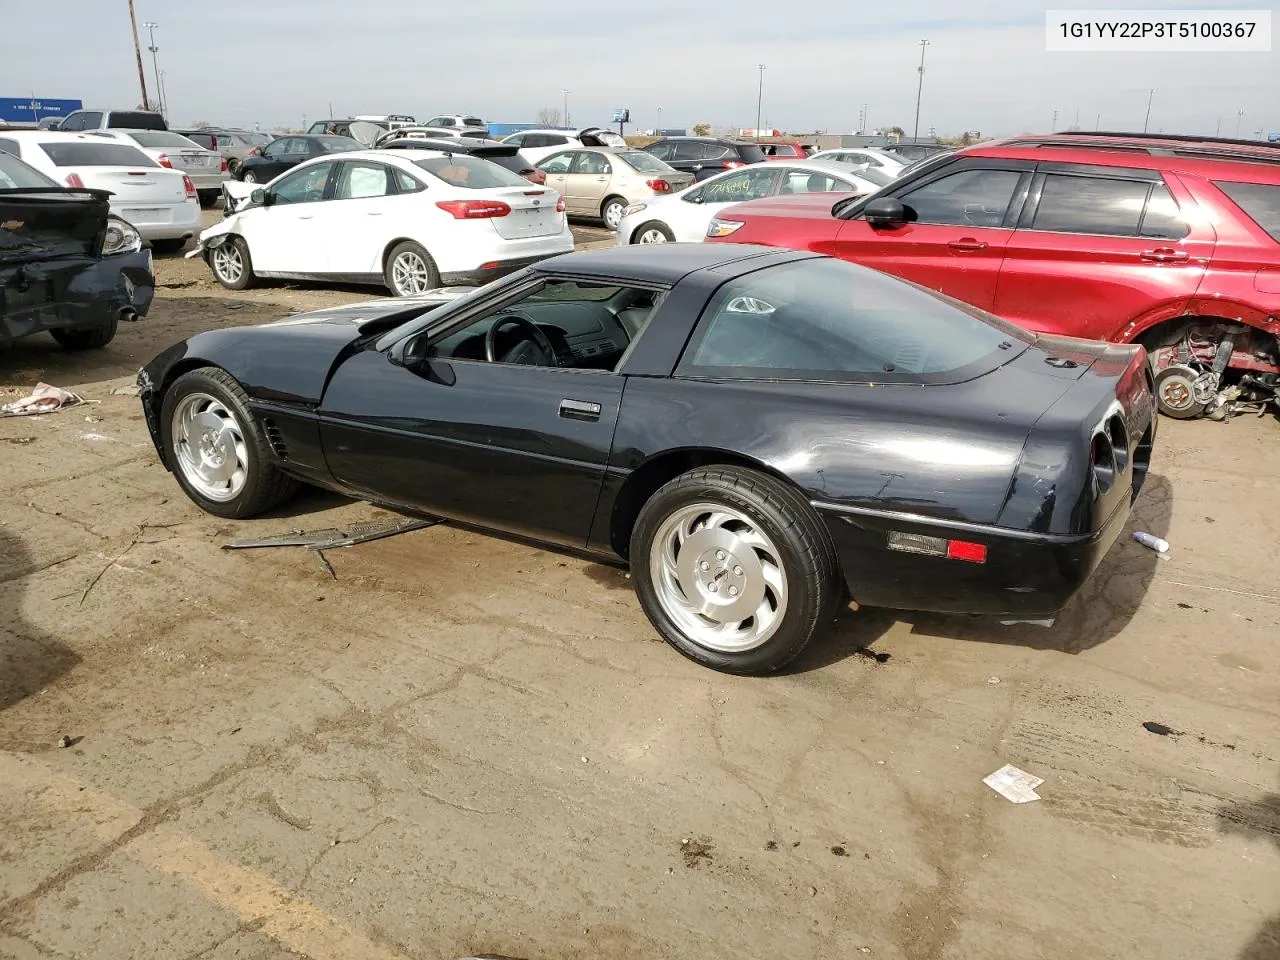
x,y
915,135
659,120
566,106
164,97
1054,126
137,50
759,101
155,62
1150,95
1217,131
1097,124
1239,119
1077,123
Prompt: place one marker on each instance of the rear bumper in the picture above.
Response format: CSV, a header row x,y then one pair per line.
x,y
73,293
501,268
1026,575
183,220
209,181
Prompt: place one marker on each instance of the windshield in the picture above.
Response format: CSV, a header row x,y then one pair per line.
x,y
825,319
136,121
644,162
86,154
16,175
878,177
338,144
472,122
470,172
161,138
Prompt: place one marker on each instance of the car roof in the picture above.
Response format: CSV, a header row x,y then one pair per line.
x,y
660,262
1198,156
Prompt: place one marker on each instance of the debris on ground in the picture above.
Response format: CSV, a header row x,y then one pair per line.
x,y
332,538
64,741
44,398
1160,729
1152,541
771,845
695,851
872,655
128,390
1016,786
21,441
839,851
993,680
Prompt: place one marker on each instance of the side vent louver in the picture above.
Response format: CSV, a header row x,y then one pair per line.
x,y
274,438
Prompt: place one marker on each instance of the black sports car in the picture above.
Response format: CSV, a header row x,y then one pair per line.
x,y
759,433
284,153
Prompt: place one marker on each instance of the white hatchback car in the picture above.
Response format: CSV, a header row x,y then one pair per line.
x,y
161,204
410,220
206,168
866,158
684,216
536,145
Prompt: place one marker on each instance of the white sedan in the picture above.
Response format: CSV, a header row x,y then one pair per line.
x,y
409,220
206,168
865,158
161,204
683,217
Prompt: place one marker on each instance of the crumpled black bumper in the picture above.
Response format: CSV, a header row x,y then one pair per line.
x,y
73,293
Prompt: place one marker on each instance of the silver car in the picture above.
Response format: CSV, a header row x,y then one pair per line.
x,y
206,168
233,145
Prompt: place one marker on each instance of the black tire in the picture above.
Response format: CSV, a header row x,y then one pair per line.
x,y
239,248
655,226
265,486
250,177
804,553
233,168
172,245
88,338
612,203
407,248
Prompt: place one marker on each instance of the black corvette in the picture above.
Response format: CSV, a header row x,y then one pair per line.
x,y
759,433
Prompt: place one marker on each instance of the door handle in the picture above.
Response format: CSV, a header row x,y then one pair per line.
x,y
967,245
579,410
373,213
305,216
602,179
1165,255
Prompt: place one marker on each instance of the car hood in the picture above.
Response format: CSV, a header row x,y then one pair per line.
x,y
51,223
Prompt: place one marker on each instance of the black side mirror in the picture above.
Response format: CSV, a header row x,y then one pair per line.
x,y
695,196
887,212
410,353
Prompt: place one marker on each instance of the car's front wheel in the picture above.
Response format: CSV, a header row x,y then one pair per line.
x,y
250,177
231,264
734,569
217,449
653,232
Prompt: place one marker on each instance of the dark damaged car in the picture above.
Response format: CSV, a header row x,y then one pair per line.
x,y
758,433
67,266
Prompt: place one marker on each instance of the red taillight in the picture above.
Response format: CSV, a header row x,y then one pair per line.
x,y
733,164
224,168
966,550
190,187
474,209
658,185
536,176
73,180
163,160
560,205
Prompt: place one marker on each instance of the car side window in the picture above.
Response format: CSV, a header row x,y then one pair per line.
x,y
688,150
406,183
1101,206
557,163
1163,219
10,147
302,186
73,122
275,149
361,180
738,187
976,198
517,141
798,181
90,121
591,163
660,150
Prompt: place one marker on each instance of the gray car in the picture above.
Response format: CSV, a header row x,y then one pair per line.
x,y
233,145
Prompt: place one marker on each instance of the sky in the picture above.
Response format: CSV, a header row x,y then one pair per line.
x,y
274,62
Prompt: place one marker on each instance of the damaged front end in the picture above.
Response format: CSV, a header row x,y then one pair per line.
x,y
1217,370
68,265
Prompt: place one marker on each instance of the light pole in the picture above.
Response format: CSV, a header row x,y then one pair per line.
x,y
566,106
759,101
1053,127
1150,95
915,134
1239,119
1217,131
659,121
164,97
151,26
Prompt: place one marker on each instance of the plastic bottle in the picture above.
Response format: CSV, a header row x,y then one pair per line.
x,y
1154,542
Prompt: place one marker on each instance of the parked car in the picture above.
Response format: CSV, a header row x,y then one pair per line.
x,y
80,120
206,168
917,151
284,153
408,220
68,266
784,151
233,145
465,124
50,123
539,144
420,133
160,203
603,181
1167,242
868,158
627,403
684,216
504,155
364,131
704,157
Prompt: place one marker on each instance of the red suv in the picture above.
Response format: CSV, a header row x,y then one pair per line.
x,y
1170,242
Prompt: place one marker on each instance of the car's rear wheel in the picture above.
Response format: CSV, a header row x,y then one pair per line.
x,y
216,449
611,211
250,177
653,232
232,265
410,270
88,338
734,569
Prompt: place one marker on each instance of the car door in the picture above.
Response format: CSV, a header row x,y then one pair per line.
x,y
962,218
513,446
277,157
586,182
556,167
367,212
1097,247
289,234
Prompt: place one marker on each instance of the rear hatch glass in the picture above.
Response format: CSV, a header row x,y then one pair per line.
x,y
750,152
532,209
86,154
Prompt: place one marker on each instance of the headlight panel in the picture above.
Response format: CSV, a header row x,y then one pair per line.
x,y
120,237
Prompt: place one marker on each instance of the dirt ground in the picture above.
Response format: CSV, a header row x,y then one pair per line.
x,y
463,745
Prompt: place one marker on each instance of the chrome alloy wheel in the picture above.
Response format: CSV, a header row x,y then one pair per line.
x,y
209,447
652,235
409,274
227,262
613,214
718,577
